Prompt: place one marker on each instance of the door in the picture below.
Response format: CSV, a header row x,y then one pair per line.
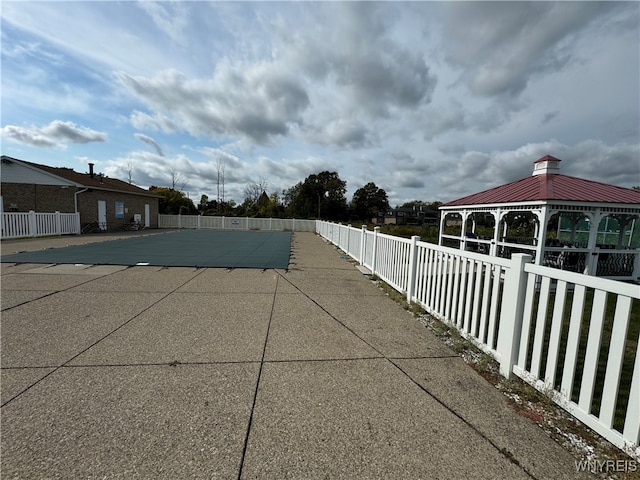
x,y
102,214
147,215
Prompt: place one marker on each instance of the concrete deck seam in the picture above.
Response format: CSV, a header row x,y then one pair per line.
x,y
229,362
35,367
103,337
503,451
255,393
175,363
425,357
326,360
53,293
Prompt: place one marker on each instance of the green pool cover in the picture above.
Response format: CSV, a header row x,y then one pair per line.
x,y
186,248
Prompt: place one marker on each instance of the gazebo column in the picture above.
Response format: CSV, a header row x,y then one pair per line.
x,y
443,217
591,264
463,230
493,250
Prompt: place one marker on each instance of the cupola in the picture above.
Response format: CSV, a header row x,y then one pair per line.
x,y
546,164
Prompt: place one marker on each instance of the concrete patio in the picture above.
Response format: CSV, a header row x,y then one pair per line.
x,y
309,372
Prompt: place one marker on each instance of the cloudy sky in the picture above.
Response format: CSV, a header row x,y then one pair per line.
x,y
429,100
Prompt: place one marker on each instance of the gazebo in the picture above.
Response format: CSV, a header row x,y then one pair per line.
x,y
562,221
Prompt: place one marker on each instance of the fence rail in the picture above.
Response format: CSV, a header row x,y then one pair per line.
x,y
235,223
575,337
37,224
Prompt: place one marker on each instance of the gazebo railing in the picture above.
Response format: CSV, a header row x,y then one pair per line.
x,y
570,259
615,263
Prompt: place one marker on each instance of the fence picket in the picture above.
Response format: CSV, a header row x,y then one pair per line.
x,y
593,350
615,359
556,327
573,340
541,323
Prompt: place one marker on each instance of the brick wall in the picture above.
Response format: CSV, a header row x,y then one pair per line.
x,y
88,208
20,197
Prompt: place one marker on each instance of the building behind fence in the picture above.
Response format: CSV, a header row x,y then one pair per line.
x,y
571,336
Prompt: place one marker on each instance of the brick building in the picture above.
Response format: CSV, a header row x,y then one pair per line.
x,y
106,203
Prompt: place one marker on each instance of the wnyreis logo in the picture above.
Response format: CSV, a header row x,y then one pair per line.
x,y
607,466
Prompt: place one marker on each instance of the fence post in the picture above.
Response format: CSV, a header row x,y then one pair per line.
x,y
348,239
413,258
270,219
363,243
376,230
293,225
33,228
515,283
179,221
58,223
76,219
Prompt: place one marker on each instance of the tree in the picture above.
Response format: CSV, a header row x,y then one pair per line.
x,y
130,170
253,191
369,200
204,202
321,195
220,181
177,178
173,202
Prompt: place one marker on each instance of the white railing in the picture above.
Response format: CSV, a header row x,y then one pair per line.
x,y
235,223
36,224
576,326
569,335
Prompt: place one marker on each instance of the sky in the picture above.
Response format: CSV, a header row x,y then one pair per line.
x,y
428,100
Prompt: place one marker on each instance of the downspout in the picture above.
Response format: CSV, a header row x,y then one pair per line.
x,y
75,198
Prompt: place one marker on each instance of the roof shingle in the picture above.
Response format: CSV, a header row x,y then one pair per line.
x,y
86,180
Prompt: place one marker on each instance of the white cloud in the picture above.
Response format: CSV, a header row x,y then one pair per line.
x,y
57,134
258,101
150,141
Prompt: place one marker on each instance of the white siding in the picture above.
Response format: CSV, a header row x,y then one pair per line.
x,y
16,173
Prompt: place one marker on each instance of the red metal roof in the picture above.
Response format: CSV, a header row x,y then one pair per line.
x,y
551,187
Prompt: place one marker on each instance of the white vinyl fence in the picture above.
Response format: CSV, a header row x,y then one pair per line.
x,y
36,224
235,223
567,334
